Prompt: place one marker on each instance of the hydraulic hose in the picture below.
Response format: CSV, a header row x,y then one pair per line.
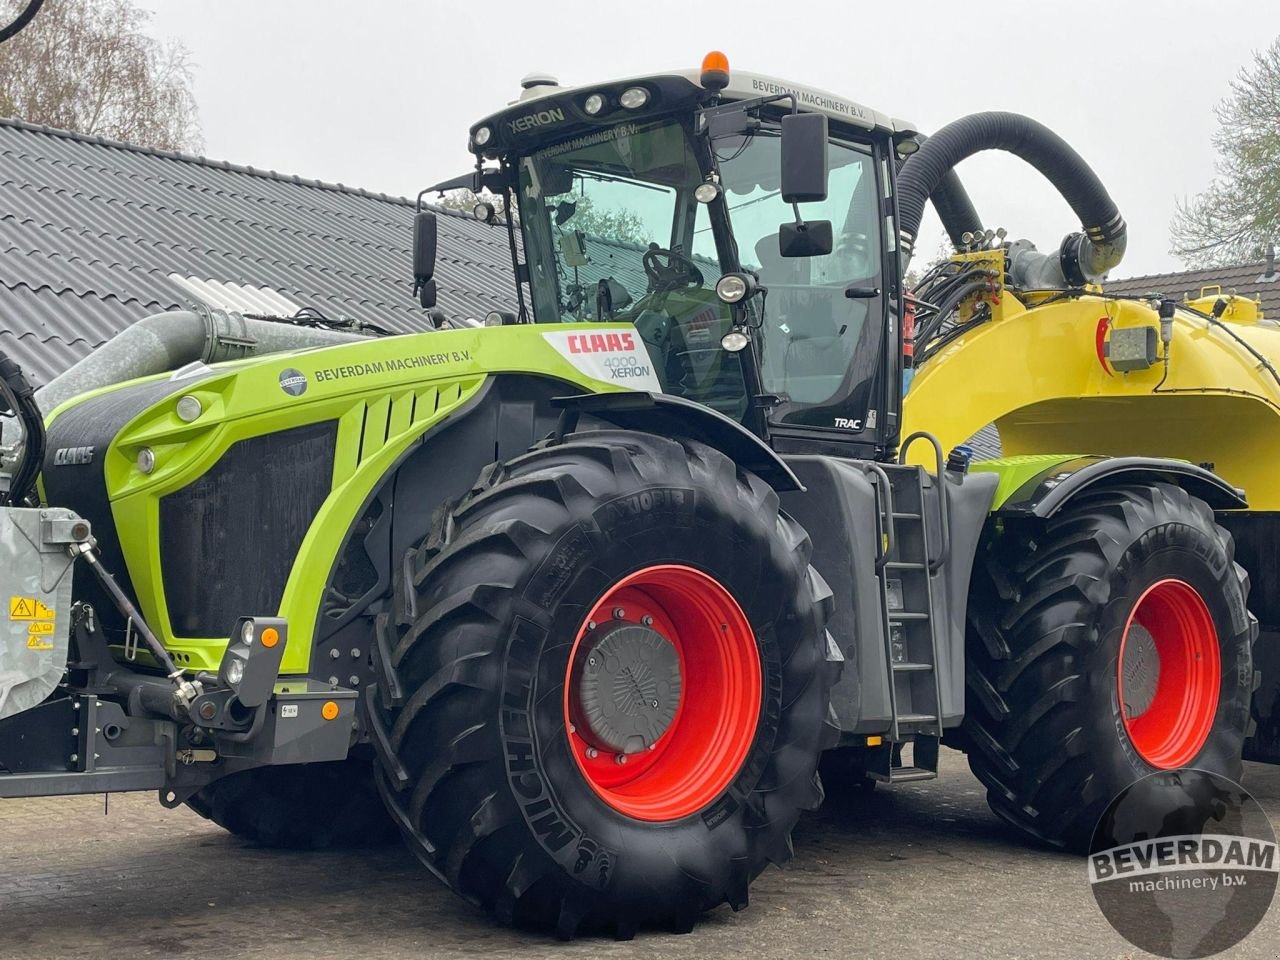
x,y
1083,257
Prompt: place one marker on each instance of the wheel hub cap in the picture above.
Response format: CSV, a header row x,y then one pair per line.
x,y
630,687
1141,671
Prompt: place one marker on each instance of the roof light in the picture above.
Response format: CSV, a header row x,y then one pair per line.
x,y
482,136
485,212
633,98
593,104
715,71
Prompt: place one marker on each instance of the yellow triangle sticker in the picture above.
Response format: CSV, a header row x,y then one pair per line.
x,y
22,608
39,643
37,627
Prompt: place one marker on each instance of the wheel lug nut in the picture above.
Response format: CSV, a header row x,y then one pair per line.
x,y
592,753
621,758
647,620
591,624
618,613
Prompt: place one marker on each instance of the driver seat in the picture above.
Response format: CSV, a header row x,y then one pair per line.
x,y
809,350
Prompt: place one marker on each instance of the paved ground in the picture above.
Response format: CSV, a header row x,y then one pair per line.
x,y
917,871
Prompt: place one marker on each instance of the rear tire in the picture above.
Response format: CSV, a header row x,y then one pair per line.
x,y
484,772
308,806
1052,607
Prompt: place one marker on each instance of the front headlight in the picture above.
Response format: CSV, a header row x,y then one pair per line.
x,y
731,288
482,136
593,104
735,341
235,671
706,192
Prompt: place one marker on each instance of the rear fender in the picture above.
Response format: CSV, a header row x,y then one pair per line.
x,y
1040,486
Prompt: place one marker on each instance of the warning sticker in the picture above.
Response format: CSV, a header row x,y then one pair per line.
x,y
29,608
39,643
39,628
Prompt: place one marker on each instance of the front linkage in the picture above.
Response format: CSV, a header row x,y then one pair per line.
x,y
144,724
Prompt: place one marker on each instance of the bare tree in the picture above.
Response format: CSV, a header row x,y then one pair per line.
x,y
89,66
1234,219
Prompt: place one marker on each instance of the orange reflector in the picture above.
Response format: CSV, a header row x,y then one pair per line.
x,y
874,741
715,70
330,710
269,637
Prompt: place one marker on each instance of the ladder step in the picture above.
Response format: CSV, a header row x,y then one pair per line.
x,y
904,775
903,565
911,667
904,615
906,516
917,718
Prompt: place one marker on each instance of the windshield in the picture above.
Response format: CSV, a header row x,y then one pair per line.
x,y
608,221
818,352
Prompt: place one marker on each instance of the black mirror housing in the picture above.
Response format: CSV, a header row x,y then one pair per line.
x,y
812,238
427,294
424,254
804,158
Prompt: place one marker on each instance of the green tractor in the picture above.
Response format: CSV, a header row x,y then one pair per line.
x,y
562,598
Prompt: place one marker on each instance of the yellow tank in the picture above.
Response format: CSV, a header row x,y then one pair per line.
x,y
1092,374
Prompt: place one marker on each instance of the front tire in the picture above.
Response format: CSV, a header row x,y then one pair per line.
x,y
521,774
301,806
1111,641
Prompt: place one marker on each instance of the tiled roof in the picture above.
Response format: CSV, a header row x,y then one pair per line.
x,y
1248,280
91,228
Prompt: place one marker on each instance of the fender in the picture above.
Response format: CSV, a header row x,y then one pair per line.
x,y
675,416
1040,486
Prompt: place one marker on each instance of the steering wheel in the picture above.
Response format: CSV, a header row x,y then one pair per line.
x,y
678,271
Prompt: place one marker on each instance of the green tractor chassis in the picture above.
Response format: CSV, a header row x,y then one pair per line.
x,y
577,601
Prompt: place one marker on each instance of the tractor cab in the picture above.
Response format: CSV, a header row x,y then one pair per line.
x,y
743,225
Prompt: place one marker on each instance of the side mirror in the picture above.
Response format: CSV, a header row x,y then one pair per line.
x,y
812,238
804,158
424,257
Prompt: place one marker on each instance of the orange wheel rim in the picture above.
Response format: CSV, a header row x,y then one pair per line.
x,y
1170,659
662,693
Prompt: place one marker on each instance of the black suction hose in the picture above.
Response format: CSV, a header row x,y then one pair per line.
x,y
1104,229
20,396
951,200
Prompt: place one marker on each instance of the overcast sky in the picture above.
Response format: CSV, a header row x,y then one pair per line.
x,y
379,94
